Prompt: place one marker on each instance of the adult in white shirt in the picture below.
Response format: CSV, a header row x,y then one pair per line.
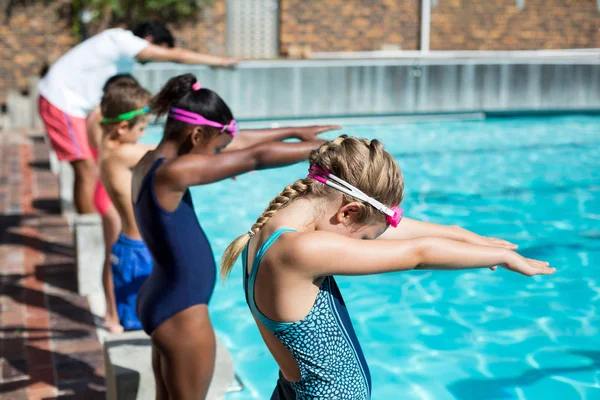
x,y
72,88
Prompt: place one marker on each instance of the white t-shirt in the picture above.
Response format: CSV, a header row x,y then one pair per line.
x,y
74,83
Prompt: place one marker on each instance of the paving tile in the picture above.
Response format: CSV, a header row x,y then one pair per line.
x,y
77,346
81,390
40,391
13,390
13,369
48,343
12,348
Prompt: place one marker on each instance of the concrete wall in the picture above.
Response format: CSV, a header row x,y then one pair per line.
x,y
305,89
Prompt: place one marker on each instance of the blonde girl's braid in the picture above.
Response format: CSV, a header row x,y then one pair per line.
x,y
283,198
362,163
287,195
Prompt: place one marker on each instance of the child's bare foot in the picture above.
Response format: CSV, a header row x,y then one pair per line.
x,y
112,326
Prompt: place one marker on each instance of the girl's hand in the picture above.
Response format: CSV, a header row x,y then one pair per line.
x,y
527,266
493,242
309,133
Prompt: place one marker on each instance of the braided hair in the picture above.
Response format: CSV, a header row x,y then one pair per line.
x,y
360,162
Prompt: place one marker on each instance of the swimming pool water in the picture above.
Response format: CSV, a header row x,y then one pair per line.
x,y
465,335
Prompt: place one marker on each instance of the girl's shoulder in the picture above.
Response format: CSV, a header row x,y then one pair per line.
x,y
293,247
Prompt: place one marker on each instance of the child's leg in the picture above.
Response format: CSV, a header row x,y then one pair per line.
x,y
161,387
86,174
111,225
186,344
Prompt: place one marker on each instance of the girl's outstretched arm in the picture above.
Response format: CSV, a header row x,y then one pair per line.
x,y
411,229
252,137
324,253
200,169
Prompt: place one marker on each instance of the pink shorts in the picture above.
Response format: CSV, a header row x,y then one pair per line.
x,y
68,134
101,200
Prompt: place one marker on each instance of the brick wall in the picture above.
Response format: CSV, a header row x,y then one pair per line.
x,y
208,34
29,36
500,25
39,32
349,25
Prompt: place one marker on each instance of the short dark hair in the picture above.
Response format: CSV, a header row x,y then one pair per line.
x,y
159,32
118,79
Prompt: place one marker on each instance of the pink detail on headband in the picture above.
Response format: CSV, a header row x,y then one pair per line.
x,y
196,86
317,178
393,215
197,119
395,220
319,170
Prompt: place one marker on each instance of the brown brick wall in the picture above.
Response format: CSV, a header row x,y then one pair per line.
x,y
500,25
40,32
208,34
349,25
30,36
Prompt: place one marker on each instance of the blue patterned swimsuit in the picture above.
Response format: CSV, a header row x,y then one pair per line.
x,y
331,362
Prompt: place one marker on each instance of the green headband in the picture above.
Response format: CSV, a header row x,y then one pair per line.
x,y
126,116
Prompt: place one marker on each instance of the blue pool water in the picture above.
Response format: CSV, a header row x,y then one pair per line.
x,y
465,335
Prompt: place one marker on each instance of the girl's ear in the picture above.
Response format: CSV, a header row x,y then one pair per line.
x,y
196,136
349,213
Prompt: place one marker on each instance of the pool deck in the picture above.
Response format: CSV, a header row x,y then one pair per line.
x,y
49,346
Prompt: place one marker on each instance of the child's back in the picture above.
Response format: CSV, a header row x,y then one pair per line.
x,y
116,161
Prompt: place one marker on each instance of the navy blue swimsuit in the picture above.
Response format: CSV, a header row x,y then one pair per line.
x,y
184,271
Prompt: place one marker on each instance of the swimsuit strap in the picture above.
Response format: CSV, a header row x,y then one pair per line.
x,y
250,280
149,175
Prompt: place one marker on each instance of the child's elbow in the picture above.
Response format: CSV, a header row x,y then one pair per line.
x,y
262,155
422,251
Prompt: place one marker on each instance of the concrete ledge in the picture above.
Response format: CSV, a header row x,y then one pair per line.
x,y
66,180
53,159
351,88
129,376
89,247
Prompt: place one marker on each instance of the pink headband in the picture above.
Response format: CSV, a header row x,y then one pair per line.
x,y
196,86
393,215
197,119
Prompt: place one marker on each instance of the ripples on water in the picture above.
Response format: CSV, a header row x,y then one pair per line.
x,y
466,335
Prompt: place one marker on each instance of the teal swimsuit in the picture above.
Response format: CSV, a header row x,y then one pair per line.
x,y
331,362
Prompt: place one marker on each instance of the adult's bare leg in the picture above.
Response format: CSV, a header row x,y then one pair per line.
x,y
86,176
